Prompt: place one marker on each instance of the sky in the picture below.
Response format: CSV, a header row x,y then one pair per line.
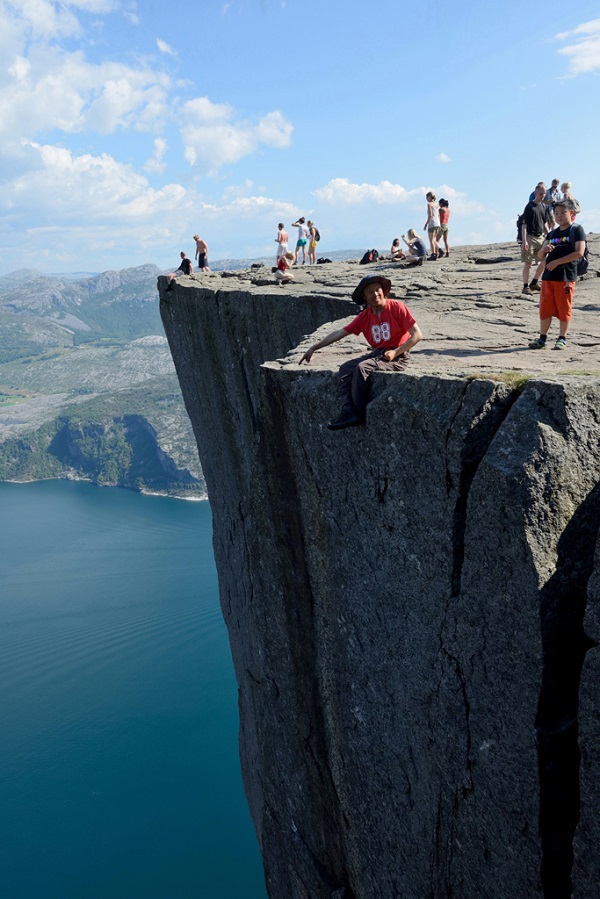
x,y
127,127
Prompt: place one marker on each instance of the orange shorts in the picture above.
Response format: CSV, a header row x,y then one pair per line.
x,y
556,299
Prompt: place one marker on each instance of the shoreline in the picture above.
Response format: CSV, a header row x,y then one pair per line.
x,y
191,499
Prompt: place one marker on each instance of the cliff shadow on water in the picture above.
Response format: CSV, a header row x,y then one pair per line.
x,y
410,607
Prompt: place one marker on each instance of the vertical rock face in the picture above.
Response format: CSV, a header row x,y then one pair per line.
x,y
405,604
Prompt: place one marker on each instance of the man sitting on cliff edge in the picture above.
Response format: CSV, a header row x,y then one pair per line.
x,y
389,329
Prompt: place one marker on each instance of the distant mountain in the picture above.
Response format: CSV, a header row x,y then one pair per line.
x,y
87,384
110,305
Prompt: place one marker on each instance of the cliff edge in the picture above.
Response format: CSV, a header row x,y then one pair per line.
x,y
413,605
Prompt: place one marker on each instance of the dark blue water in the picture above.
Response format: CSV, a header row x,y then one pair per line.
x,y
119,771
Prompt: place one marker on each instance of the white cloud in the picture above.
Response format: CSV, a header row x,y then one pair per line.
x,y
44,18
165,48
51,89
442,157
68,189
345,193
156,163
583,52
212,135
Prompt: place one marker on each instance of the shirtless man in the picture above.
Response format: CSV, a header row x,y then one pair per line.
x,y
281,241
201,254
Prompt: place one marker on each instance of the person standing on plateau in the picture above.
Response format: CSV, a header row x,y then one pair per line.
x,y
562,250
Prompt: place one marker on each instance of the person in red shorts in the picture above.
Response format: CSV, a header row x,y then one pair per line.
x,y
390,330
562,250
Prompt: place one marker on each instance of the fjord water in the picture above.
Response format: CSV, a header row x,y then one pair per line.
x,y
119,771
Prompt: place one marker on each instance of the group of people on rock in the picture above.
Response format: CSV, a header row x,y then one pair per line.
x,y
308,236
548,235
186,267
550,238
438,216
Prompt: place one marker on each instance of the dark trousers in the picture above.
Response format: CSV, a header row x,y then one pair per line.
x,y
354,386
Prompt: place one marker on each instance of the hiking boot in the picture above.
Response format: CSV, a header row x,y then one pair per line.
x,y
346,420
526,290
561,343
538,344
432,258
537,287
421,260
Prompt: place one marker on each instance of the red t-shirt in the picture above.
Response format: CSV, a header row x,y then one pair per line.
x,y
444,215
386,331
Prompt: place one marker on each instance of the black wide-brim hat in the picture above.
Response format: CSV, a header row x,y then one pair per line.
x,y
358,291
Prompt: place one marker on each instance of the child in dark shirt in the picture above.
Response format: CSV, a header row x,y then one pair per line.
x,y
562,250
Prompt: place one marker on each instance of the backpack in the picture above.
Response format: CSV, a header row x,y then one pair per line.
x,y
317,235
582,264
520,219
370,256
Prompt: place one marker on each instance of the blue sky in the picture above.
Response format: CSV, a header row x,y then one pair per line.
x,y
129,126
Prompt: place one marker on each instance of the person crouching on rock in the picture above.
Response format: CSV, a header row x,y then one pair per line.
x,y
390,330
283,273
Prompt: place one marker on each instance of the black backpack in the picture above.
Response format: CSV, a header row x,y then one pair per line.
x,y
584,263
317,235
370,256
520,220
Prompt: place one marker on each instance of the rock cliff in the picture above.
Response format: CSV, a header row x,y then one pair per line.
x,y
413,606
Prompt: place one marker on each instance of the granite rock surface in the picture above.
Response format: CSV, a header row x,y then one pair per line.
x,y
412,605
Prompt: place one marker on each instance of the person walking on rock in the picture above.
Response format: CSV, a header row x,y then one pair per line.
x,y
535,226
432,225
567,195
561,252
390,330
201,254
302,239
444,219
313,240
552,197
282,241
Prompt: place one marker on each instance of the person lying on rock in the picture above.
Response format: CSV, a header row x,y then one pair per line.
x,y
390,330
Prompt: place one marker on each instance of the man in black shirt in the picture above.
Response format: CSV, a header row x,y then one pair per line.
x,y
536,224
560,254
185,268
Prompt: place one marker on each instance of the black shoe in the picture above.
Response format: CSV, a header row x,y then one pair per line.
x,y
347,420
421,260
432,258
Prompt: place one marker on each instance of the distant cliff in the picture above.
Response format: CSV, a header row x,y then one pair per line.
x,y
413,605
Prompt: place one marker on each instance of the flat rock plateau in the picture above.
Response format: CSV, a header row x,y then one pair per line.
x,y
469,306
